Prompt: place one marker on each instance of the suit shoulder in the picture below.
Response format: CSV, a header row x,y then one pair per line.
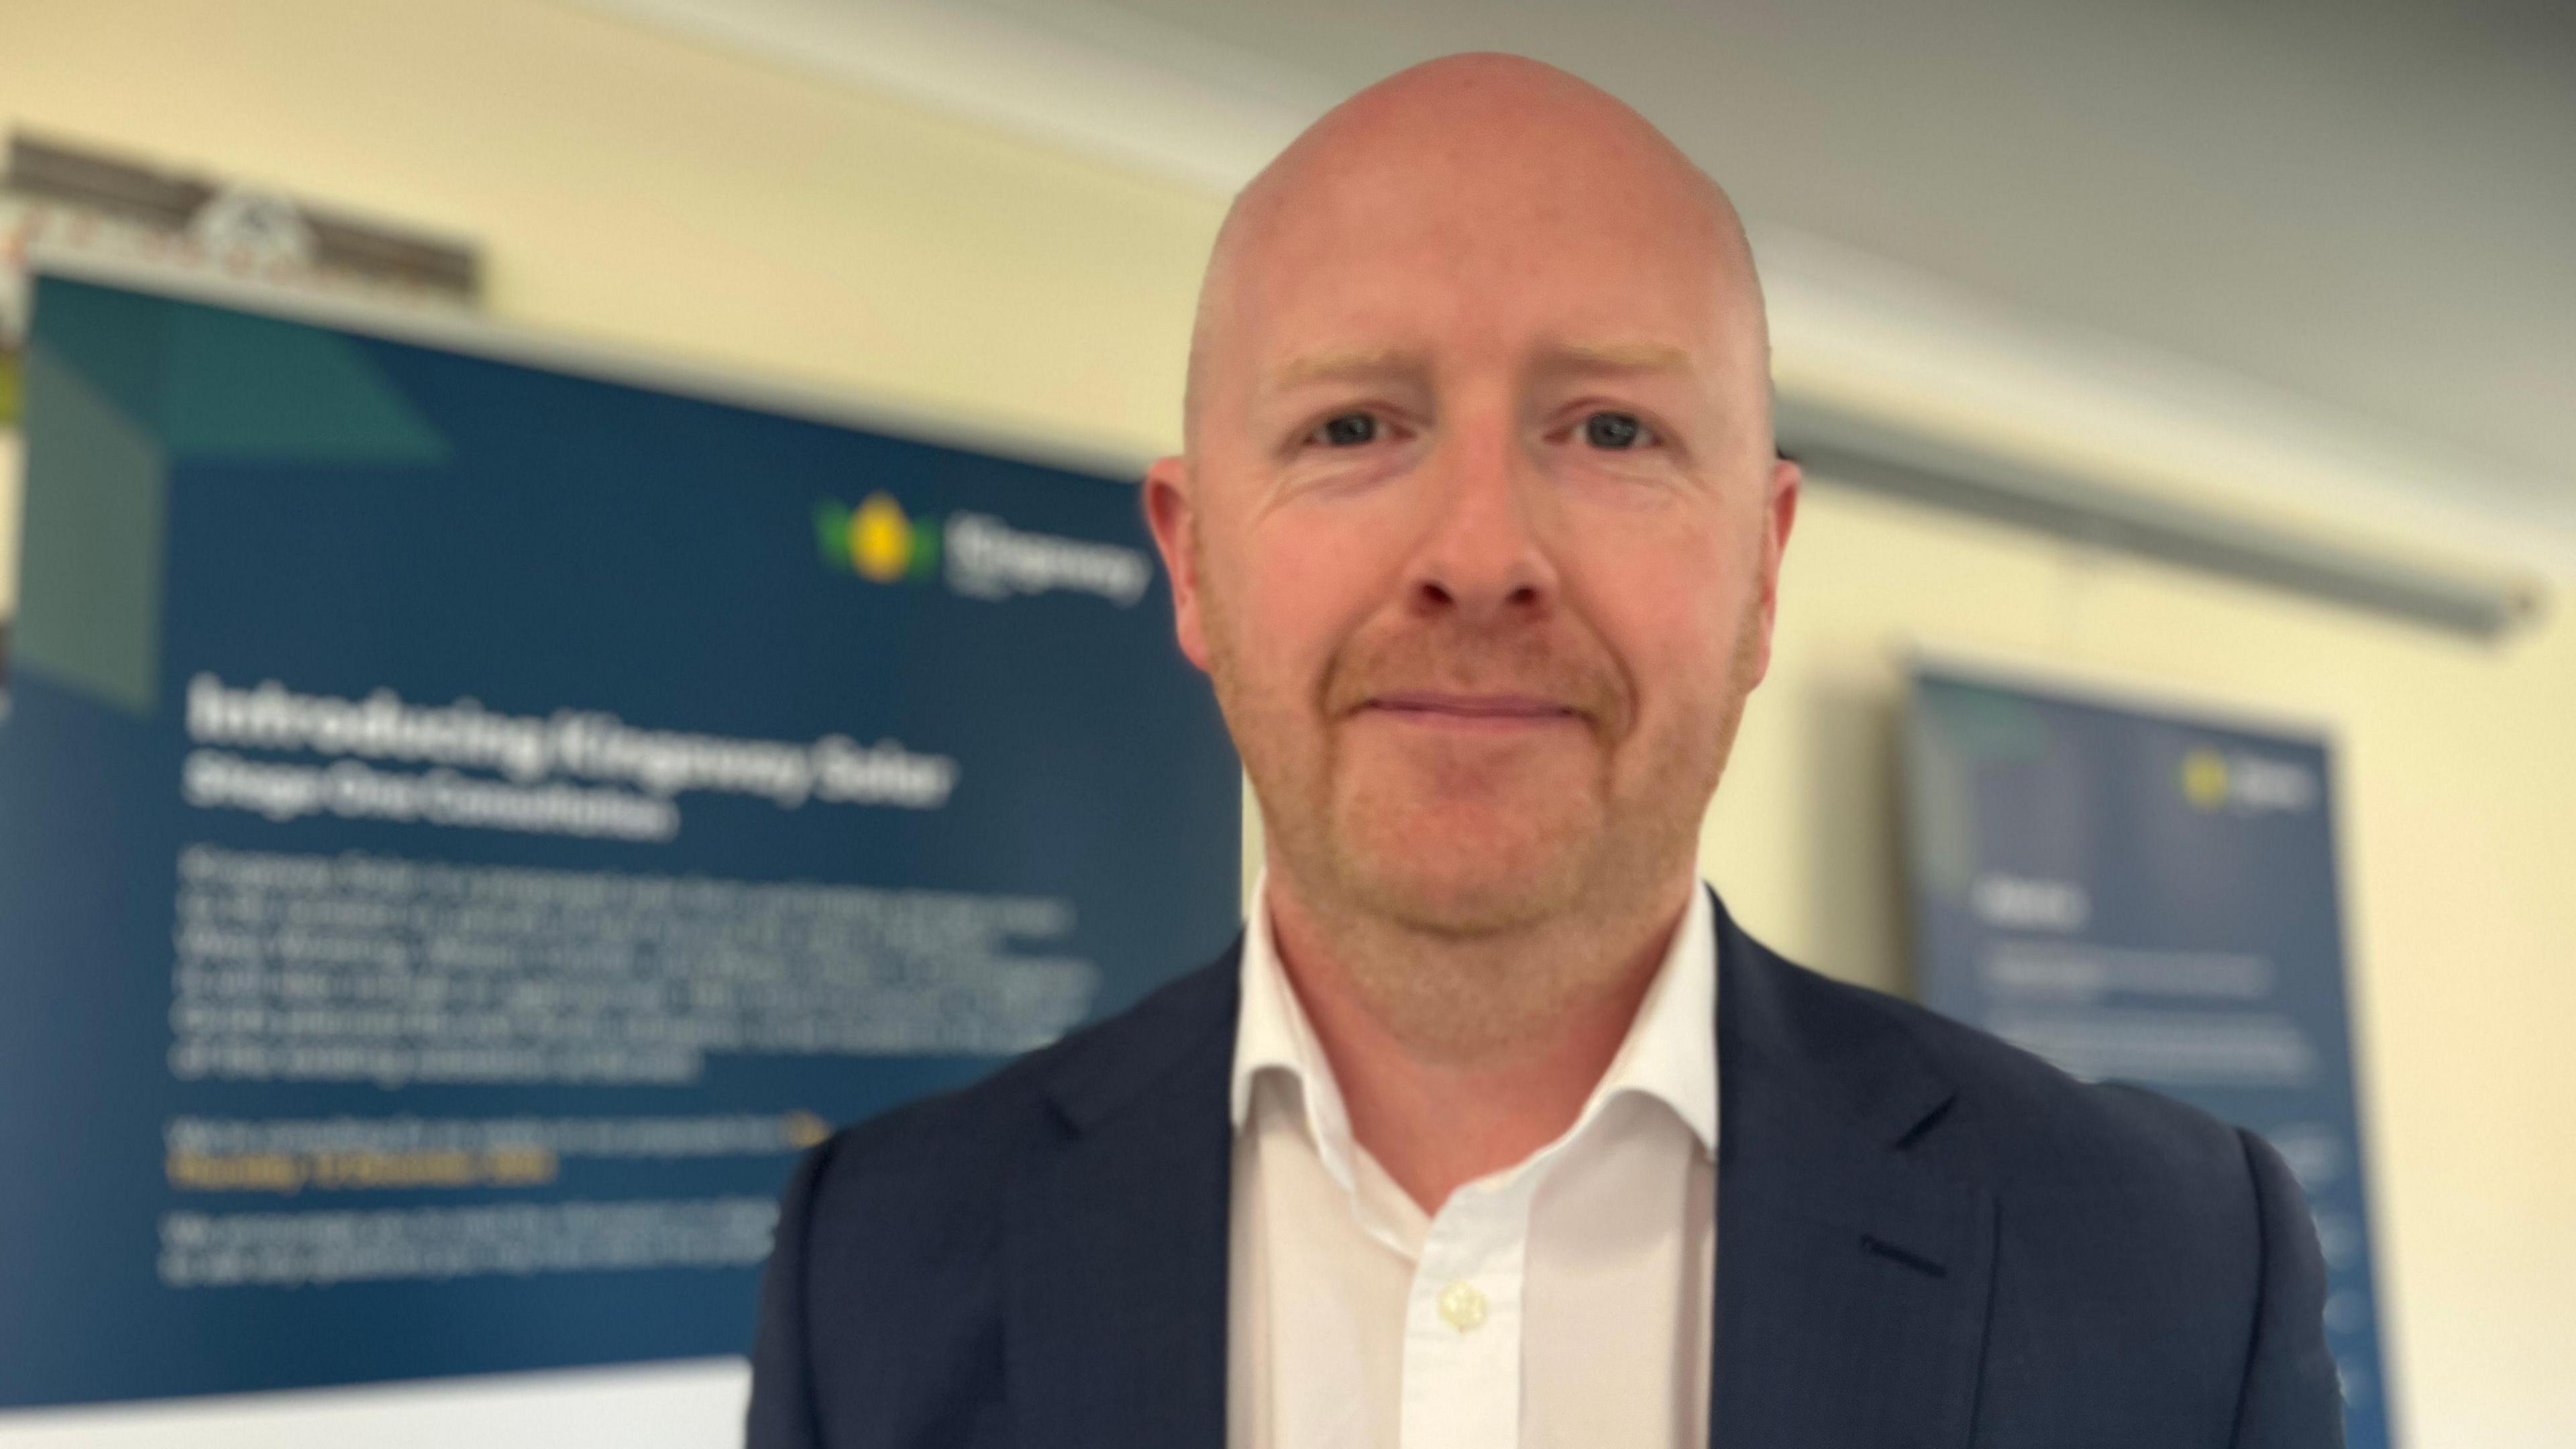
x,y
888,1277
2017,1118
957,1149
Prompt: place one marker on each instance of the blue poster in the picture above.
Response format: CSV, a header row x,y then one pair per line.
x,y
465,826
2150,897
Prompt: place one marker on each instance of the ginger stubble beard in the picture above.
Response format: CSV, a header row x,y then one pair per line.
x,y
1407,946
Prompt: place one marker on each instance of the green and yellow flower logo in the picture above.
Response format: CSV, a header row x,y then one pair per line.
x,y
875,540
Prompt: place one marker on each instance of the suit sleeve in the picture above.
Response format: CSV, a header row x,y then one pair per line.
x,y
2292,1397
782,1387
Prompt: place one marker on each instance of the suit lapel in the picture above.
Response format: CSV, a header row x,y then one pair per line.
x,y
1852,1279
1117,1251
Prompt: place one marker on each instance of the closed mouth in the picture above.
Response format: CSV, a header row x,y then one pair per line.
x,y
1502,710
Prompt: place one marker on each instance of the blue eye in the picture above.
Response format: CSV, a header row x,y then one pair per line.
x,y
1615,431
1348,430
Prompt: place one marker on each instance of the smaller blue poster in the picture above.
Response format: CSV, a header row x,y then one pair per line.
x,y
2148,896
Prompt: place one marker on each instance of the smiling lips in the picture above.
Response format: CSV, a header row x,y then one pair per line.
x,y
1471,711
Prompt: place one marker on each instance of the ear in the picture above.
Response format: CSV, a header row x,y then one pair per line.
x,y
1779,514
1172,518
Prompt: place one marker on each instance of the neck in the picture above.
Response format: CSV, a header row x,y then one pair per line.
x,y
1457,1058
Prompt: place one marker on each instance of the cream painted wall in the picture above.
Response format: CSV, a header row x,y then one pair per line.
x,y
636,191
633,189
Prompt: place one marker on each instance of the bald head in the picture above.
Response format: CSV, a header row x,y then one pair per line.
x,y
1447,159
1479,523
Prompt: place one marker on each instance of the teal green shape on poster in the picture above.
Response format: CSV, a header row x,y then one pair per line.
x,y
120,388
222,385
243,387
96,511
111,340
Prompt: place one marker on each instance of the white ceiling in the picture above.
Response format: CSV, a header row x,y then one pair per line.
x,y
2364,210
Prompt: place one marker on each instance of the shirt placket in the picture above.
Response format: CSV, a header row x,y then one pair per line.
x,y
1463,1319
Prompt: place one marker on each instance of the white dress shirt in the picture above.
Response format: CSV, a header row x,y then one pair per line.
x,y
1561,1302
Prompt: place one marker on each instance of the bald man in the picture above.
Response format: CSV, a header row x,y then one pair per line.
x,y
1493,1130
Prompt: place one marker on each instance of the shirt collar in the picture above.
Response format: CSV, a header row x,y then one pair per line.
x,y
1669,1053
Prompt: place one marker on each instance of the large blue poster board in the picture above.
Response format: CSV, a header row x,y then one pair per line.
x,y
2150,897
465,825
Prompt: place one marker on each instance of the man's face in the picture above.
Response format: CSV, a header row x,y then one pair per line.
x,y
1478,535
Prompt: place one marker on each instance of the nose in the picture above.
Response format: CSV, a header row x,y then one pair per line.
x,y
1482,557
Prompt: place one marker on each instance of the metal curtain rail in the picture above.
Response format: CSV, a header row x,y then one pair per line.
x,y
1841,449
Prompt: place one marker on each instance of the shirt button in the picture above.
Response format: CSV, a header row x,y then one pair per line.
x,y
1462,1307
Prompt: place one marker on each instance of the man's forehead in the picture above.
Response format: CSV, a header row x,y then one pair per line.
x,y
1451,263
1484,201
1346,302
1413,207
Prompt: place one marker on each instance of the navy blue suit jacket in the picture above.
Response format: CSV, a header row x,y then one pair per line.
x,y
1924,1238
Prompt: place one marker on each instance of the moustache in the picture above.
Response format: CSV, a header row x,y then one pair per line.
x,y
1524,667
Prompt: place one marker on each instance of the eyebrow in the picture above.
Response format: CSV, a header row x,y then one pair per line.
x,y
1564,357
1344,365
1613,357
